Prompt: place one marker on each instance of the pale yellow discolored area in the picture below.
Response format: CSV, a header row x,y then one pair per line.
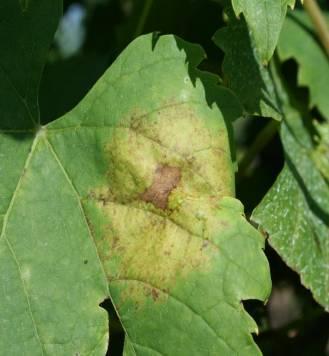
x,y
168,170
203,144
150,248
176,136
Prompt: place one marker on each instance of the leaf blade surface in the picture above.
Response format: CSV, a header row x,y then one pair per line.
x,y
131,196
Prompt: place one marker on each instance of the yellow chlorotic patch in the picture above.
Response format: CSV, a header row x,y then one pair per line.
x,y
150,248
167,173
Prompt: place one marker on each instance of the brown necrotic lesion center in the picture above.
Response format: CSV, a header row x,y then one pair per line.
x,y
165,180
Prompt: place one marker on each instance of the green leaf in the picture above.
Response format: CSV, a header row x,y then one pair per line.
x,y
24,42
130,196
264,19
321,152
25,45
165,254
243,71
48,295
295,212
298,41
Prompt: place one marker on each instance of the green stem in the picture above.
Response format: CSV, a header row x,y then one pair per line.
x,y
143,17
319,22
261,140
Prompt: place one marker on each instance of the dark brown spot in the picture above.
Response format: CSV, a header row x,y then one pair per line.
x,y
165,180
114,242
155,294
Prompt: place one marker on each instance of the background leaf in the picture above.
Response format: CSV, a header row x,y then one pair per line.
x,y
25,45
265,20
295,212
321,152
298,41
243,71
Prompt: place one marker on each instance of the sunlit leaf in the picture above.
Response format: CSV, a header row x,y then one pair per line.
x,y
130,196
157,192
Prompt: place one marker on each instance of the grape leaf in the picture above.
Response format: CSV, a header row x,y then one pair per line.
x,y
298,41
243,71
130,196
321,153
265,19
48,295
25,44
295,212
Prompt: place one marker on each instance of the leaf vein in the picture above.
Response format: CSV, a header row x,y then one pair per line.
x,y
52,150
3,236
21,98
192,234
175,298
